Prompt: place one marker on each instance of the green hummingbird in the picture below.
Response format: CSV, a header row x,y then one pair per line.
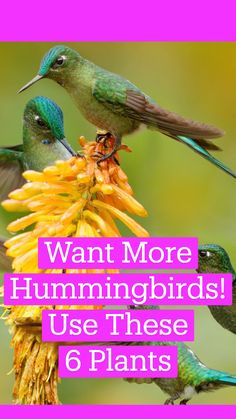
x,y
193,376
114,104
214,259
44,142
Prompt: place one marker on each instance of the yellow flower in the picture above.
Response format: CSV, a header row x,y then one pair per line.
x,y
74,198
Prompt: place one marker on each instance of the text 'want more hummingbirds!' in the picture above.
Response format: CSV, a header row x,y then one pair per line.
x,y
116,105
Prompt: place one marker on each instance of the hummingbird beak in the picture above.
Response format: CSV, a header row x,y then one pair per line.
x,y
34,80
67,146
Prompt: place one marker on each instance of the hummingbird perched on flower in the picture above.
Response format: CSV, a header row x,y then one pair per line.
x,y
193,376
114,104
44,142
214,259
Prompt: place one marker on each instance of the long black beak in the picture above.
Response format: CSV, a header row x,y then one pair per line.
x,y
34,80
68,147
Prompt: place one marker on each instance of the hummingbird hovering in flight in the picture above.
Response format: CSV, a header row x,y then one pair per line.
x,y
114,104
193,376
43,143
213,258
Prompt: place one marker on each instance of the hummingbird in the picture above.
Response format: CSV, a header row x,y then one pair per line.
x,y
193,376
114,104
213,258
44,142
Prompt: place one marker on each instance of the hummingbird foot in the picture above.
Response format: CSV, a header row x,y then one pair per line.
x,y
184,401
99,155
171,400
116,161
116,146
103,137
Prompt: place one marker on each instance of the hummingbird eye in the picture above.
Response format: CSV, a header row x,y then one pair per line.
x,y
40,121
204,254
46,141
59,61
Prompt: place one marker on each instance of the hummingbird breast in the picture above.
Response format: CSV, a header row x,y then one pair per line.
x,y
170,386
225,316
96,112
105,119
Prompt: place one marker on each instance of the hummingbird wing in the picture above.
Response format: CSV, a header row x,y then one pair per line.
x,y
11,168
124,98
5,261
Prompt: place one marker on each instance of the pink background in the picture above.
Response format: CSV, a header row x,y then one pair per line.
x,y
117,350
105,20
119,411
152,21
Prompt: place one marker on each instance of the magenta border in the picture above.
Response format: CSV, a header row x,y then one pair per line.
x,y
106,20
118,411
118,21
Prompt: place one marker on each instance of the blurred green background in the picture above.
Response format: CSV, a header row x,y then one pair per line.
x,y
183,193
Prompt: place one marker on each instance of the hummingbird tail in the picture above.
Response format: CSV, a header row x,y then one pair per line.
x,y
194,145
228,380
5,261
10,170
